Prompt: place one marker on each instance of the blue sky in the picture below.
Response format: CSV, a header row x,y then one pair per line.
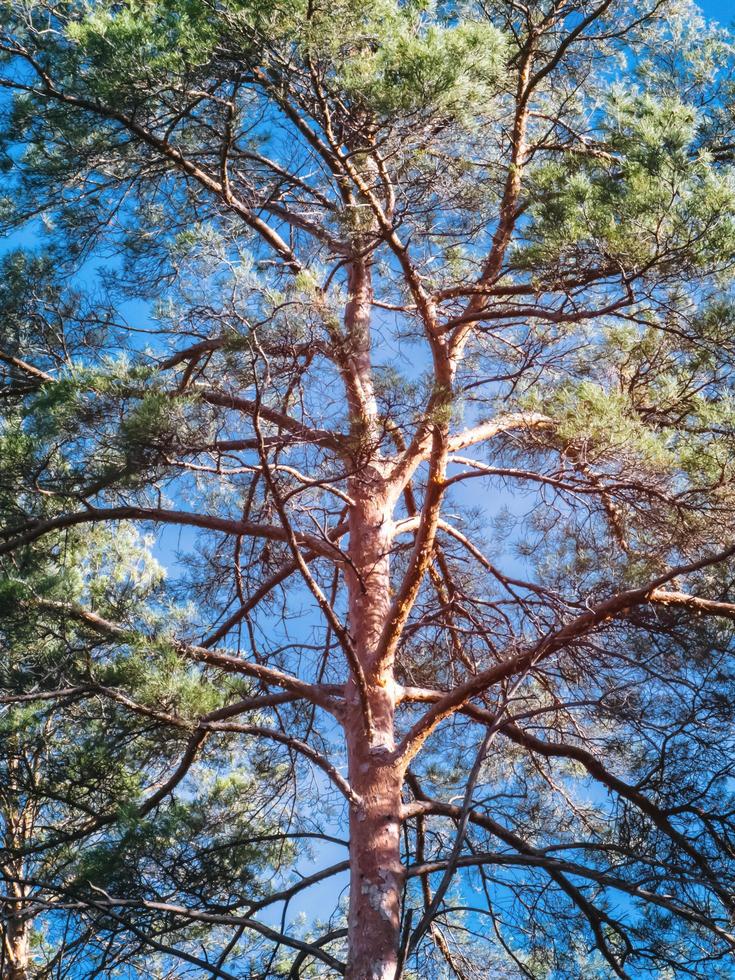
x,y
723,10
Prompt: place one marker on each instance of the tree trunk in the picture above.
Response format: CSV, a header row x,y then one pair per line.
x,y
376,870
16,950
18,823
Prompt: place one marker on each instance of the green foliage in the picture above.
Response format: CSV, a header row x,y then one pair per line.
x,y
646,197
308,234
400,66
79,770
140,43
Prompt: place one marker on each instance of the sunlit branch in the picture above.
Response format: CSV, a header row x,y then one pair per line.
x,y
50,92
213,658
612,608
330,615
30,531
529,856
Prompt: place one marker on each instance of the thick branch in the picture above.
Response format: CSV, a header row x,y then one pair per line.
x,y
612,608
31,531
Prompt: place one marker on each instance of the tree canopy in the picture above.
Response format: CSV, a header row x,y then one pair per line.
x,y
367,489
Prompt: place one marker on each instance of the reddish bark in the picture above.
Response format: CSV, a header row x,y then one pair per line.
x,y
376,871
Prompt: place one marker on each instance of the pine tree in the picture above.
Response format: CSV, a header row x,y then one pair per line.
x,y
96,786
407,327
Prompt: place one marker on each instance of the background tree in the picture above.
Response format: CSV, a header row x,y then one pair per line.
x,y
97,790
119,768
431,365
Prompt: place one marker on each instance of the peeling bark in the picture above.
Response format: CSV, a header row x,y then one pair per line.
x,y
376,870
15,963
16,949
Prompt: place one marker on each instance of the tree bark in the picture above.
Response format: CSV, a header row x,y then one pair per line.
x,y
17,951
16,946
17,819
376,869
